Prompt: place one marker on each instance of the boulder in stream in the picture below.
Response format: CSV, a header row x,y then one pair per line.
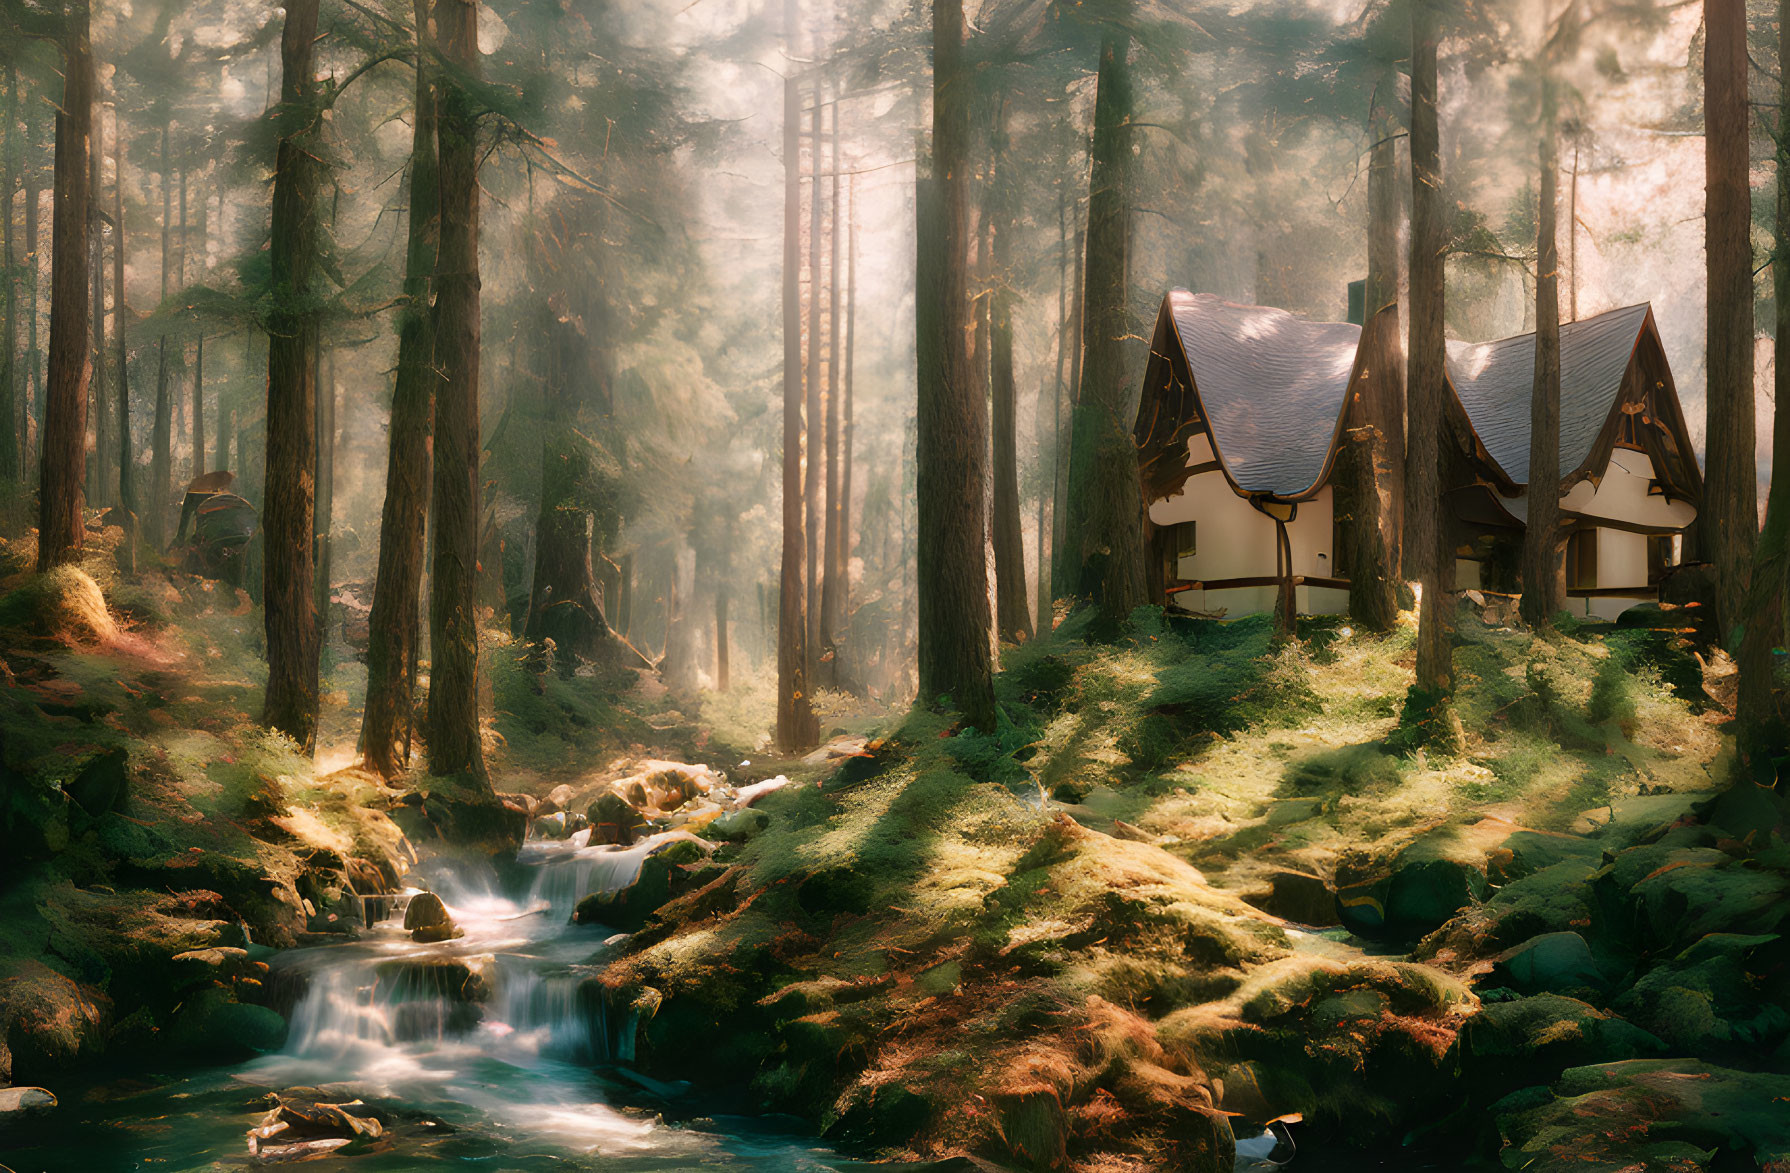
x,y
664,873
427,919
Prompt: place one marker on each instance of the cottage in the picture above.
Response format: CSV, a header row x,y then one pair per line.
x,y
1237,433
1243,408
1629,484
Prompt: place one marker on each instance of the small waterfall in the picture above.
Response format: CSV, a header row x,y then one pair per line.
x,y
570,869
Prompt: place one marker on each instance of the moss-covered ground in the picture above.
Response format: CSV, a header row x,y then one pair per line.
x,y
1105,937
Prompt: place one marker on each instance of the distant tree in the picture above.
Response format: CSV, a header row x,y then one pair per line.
x,y
453,727
1105,516
290,618
9,263
955,656
61,524
127,453
1729,520
1013,619
394,625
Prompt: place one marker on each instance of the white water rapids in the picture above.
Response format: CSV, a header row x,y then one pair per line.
x,y
383,1017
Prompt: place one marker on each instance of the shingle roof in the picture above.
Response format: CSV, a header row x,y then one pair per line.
x,y
1273,387
1495,382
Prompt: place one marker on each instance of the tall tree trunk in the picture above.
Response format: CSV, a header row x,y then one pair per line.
x,y
955,656
453,728
1759,728
63,467
1730,518
796,726
161,459
290,615
9,338
811,472
127,454
1377,491
1541,533
1106,513
829,594
395,627
99,481
1013,619
1426,528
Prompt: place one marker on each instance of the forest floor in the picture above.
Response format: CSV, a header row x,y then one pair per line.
x,y
1189,886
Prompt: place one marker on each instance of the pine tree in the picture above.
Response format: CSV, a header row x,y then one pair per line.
x,y
395,623
453,727
1729,520
955,657
290,617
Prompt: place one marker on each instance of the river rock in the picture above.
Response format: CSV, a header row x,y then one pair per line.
x,y
427,919
662,875
614,821
1558,963
24,1101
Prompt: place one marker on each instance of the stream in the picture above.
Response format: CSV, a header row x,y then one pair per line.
x,y
523,1081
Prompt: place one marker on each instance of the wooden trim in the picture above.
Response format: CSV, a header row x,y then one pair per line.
x,y
1628,527
1231,584
1624,592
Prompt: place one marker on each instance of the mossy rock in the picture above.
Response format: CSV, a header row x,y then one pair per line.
x,y
1607,1117
1690,892
51,1021
213,1025
1726,994
1556,963
1529,1041
63,604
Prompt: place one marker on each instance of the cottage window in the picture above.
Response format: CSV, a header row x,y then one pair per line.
x,y
1581,560
1662,555
1178,543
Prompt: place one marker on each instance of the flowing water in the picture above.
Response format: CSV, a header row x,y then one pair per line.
x,y
526,1080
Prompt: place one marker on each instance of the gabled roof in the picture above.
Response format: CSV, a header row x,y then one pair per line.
x,y
1272,386
1495,380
